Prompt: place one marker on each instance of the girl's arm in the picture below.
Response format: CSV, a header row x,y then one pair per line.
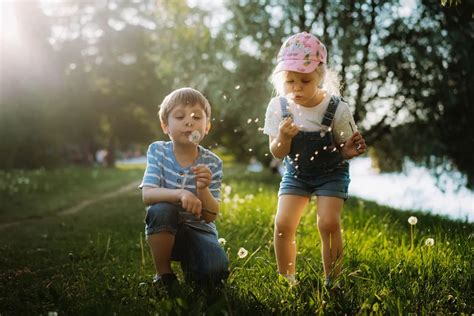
x,y
280,146
353,147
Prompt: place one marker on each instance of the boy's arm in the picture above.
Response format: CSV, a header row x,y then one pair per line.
x,y
187,199
206,184
210,206
152,195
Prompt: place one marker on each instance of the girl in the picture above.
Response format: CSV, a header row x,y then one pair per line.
x,y
312,129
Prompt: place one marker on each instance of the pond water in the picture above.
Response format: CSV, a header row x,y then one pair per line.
x,y
414,189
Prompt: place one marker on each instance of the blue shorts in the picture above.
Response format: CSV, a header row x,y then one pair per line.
x,y
333,183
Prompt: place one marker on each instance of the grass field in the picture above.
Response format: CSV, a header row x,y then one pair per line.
x,y
97,262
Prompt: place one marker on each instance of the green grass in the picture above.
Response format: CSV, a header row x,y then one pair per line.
x,y
97,262
33,194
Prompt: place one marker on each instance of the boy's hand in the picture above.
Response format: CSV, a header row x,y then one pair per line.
x,y
190,203
203,176
354,146
287,129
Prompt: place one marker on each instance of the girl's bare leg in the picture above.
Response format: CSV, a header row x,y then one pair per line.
x,y
329,224
290,209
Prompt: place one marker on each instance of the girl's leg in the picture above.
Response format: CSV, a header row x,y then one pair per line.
x,y
290,209
329,224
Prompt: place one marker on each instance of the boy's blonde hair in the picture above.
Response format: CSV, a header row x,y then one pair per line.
x,y
325,79
184,96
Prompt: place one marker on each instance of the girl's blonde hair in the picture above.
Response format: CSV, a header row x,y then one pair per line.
x,y
327,80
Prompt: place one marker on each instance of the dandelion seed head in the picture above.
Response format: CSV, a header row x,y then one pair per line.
x,y
429,242
222,241
242,253
195,137
412,220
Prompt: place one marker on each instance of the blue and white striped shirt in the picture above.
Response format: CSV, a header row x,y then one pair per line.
x,y
164,171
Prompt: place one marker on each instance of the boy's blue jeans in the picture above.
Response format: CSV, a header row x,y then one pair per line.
x,y
201,256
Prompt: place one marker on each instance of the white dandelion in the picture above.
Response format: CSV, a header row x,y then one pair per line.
x,y
242,253
195,137
412,220
429,242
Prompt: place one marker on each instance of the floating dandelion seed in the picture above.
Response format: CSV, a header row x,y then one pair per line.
x,y
222,241
325,147
293,242
195,137
250,149
256,120
429,242
312,158
249,121
316,152
279,144
225,97
334,149
290,263
329,129
242,253
266,154
297,155
235,130
237,87
193,114
280,234
341,145
341,133
412,220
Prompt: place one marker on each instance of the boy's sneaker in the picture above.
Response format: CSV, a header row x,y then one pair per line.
x,y
168,281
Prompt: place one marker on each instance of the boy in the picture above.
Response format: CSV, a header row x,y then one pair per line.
x,y
181,188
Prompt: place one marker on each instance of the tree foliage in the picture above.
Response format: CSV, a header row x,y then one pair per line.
x,y
92,74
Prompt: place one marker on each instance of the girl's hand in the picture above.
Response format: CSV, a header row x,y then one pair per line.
x,y
287,128
354,146
190,203
203,176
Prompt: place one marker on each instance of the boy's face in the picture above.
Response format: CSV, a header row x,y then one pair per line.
x,y
183,120
301,88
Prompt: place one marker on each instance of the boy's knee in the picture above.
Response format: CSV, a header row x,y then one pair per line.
x,y
162,217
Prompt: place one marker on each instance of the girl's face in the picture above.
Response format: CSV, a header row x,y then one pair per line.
x,y
302,88
183,121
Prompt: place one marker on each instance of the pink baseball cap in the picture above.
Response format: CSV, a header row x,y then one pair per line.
x,y
302,52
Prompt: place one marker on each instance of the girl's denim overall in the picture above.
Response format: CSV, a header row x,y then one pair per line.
x,y
314,165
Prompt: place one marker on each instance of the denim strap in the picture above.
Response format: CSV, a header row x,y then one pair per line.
x,y
331,110
284,107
